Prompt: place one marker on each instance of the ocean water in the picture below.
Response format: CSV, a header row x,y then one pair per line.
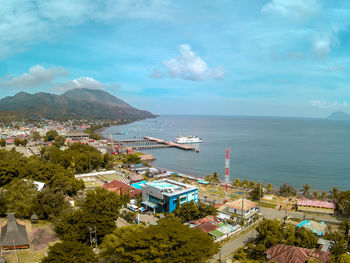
x,y
273,150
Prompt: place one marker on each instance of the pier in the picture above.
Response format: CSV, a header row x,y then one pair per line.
x,y
147,143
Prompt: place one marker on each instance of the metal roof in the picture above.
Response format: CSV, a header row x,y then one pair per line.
x,y
13,234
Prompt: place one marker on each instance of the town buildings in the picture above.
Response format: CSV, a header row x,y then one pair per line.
x,y
13,235
238,208
163,195
313,205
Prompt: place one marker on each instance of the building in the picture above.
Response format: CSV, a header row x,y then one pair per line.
x,y
77,135
313,205
289,254
162,195
237,208
318,228
13,235
118,186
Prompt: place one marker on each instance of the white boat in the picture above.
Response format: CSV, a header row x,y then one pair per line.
x,y
187,139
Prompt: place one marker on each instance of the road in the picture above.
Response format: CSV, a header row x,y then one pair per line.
x,y
228,248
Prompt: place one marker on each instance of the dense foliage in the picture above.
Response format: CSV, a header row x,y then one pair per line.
x,y
70,252
168,241
14,165
100,209
191,211
287,190
78,158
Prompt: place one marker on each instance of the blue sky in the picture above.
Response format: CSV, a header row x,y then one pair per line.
x,y
272,57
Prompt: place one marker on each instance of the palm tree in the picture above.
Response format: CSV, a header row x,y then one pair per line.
x,y
315,194
209,178
324,195
252,184
237,182
269,188
245,181
345,226
306,190
334,193
216,177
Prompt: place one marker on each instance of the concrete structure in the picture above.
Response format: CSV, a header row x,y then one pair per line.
x,y
77,135
313,205
162,195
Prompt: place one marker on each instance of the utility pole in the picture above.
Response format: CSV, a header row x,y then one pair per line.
x,y
260,198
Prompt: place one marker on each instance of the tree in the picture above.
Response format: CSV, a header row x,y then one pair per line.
x,y
334,193
305,238
270,232
269,188
20,196
338,248
2,143
216,177
70,252
3,204
59,141
237,182
168,241
315,194
51,135
50,204
255,193
252,184
324,195
100,209
17,142
36,136
345,226
24,142
287,190
245,183
190,211
306,190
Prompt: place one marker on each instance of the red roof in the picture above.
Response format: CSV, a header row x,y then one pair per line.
x,y
207,227
116,185
136,177
210,218
290,254
316,203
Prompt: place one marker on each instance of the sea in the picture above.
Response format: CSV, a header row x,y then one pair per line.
x,y
273,150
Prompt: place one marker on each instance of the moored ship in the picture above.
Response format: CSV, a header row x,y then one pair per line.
x,y
187,139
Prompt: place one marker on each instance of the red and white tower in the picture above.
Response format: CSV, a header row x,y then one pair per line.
x,y
227,170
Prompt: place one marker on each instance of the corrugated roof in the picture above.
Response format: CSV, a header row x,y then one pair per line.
x,y
237,204
116,185
316,203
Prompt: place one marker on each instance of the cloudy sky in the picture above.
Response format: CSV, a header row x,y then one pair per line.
x,y
242,57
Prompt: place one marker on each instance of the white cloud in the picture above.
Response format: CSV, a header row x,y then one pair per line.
x,y
323,44
82,82
36,76
298,10
329,106
24,23
190,66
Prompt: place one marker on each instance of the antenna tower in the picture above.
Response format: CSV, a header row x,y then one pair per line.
x,y
227,170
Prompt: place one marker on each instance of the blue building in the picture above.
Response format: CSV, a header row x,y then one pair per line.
x,y
161,195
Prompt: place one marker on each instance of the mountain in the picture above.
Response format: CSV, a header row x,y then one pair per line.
x,y
74,104
340,116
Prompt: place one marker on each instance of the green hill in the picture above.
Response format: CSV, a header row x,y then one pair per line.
x,y
74,104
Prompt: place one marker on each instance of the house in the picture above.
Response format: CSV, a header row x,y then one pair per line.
x,y
162,195
135,178
237,208
13,235
313,205
289,254
118,186
318,228
77,135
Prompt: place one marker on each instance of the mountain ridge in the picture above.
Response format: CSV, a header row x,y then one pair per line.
x,y
82,103
339,115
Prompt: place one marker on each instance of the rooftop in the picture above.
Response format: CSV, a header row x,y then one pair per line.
x,y
169,187
316,203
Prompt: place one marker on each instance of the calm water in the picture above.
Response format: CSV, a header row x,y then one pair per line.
x,y
274,150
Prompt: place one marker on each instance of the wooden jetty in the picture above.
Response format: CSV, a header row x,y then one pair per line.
x,y
147,143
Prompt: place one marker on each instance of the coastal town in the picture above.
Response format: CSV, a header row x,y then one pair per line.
x,y
245,221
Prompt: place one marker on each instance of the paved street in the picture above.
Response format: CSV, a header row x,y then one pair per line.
x,y
233,245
